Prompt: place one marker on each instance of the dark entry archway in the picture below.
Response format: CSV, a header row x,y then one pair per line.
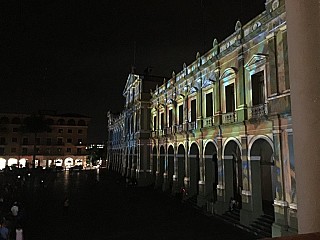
x,y
161,165
233,172
194,170
211,171
181,165
261,156
170,165
154,162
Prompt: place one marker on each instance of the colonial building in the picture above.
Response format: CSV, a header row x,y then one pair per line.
x,y
222,129
128,146
62,144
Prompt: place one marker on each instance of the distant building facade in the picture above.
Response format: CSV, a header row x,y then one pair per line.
x,y
63,144
221,129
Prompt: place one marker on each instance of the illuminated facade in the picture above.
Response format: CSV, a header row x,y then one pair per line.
x,y
222,128
128,147
64,144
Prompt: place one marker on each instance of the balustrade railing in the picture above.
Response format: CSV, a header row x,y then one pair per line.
x,y
191,126
208,122
229,117
259,111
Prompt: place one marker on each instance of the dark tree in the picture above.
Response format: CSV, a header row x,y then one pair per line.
x,y
34,124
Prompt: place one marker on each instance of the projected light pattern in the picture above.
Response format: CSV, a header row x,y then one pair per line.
x,y
226,121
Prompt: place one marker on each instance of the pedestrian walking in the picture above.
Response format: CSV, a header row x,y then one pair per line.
x,y
15,209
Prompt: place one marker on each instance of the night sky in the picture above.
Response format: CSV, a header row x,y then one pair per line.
x,y
75,56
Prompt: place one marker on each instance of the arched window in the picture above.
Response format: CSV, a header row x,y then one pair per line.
x,y
71,122
49,121
4,120
61,122
16,120
81,122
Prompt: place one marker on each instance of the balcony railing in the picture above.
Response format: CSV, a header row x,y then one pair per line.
x,y
259,111
229,117
179,128
191,126
168,131
154,134
208,122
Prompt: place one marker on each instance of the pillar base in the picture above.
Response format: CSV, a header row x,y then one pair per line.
x,y
281,230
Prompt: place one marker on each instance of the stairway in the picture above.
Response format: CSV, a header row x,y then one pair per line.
x,y
232,216
262,226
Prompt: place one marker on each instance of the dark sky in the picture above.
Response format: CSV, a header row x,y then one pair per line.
x,y
75,56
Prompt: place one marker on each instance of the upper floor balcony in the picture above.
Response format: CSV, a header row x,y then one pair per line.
x,y
208,122
258,111
179,128
191,126
230,117
168,131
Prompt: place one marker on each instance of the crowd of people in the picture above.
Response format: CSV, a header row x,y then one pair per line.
x,y
12,217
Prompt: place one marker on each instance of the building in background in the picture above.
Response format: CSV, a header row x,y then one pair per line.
x,y
62,143
221,129
128,147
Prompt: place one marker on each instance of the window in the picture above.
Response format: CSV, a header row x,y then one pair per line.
x,y
14,140
230,105
2,140
180,114
78,150
257,83
69,130
48,151
193,110
209,105
59,150
38,141
37,150
80,131
25,141
60,141
1,151
154,123
13,150
48,141
60,130
15,129
170,117
24,151
69,140
69,150
162,121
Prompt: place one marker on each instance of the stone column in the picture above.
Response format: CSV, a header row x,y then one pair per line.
x,y
304,69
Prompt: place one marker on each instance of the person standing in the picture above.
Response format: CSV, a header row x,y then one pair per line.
x,y
4,232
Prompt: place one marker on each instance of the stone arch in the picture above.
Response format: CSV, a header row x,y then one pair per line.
x,y
3,163
81,122
211,170
71,122
261,162
4,120
154,161
68,162
16,120
61,121
161,168
181,157
170,166
233,170
194,169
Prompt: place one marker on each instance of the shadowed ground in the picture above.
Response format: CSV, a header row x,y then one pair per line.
x,y
102,207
